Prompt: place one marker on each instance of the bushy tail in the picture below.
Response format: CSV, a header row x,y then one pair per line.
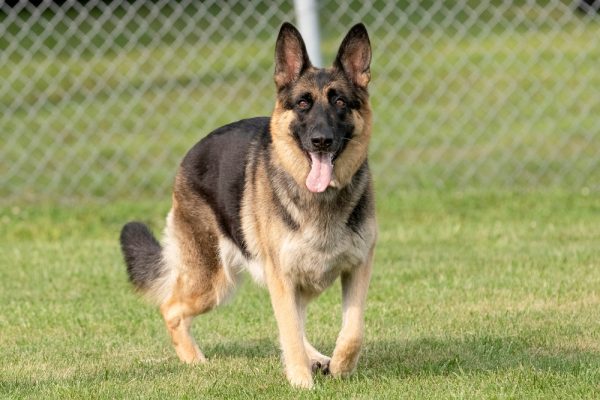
x,y
142,254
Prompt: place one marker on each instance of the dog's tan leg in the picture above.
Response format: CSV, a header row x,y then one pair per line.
x,y
178,312
189,299
178,317
317,360
284,298
349,342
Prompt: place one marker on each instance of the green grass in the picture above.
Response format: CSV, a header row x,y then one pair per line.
x,y
474,295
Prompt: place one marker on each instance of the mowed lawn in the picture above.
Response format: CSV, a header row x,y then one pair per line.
x,y
474,295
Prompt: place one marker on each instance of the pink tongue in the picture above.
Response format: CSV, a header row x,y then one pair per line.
x,y
320,172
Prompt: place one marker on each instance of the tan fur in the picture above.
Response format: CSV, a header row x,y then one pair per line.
x,y
348,345
285,150
356,151
283,293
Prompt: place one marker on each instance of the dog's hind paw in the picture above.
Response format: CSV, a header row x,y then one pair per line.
x,y
320,365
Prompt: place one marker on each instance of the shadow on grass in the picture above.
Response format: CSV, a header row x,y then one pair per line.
x,y
256,348
433,356
439,356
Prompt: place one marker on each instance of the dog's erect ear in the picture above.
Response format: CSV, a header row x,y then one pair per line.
x,y
291,58
354,56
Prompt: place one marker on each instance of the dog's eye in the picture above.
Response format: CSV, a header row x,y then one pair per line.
x,y
303,104
340,103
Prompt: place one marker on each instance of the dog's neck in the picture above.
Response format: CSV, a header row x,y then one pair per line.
x,y
335,203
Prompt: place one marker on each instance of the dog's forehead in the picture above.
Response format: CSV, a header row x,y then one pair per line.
x,y
323,77
320,80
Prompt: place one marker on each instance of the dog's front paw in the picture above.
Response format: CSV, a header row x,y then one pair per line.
x,y
342,368
345,357
300,378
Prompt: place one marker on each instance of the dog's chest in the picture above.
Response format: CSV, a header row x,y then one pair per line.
x,y
313,257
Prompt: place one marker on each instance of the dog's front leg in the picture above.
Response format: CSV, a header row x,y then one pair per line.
x,y
284,298
354,292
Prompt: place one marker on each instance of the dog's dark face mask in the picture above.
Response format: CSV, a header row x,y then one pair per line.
x,y
323,100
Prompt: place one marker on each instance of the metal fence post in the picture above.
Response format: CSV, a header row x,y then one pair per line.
x,y
307,16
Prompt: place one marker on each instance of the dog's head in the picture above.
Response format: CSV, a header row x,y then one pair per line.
x,y
321,123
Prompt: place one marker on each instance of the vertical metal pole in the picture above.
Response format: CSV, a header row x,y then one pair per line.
x,y
307,17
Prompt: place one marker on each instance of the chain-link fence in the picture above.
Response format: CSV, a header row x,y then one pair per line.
x,y
101,99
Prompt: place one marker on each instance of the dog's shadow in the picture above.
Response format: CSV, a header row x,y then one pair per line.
x,y
255,348
477,354
440,356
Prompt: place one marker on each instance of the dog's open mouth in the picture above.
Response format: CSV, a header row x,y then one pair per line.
x,y
321,171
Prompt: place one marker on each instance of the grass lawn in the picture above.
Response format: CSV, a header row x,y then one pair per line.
x,y
474,295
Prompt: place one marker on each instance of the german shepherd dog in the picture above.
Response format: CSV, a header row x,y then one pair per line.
x,y
288,198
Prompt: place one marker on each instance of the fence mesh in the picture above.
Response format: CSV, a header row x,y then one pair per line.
x,y
101,99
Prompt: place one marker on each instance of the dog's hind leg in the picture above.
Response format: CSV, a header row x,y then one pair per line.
x,y
199,282
318,361
178,316
187,301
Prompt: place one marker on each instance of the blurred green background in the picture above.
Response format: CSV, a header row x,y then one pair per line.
x,y
101,100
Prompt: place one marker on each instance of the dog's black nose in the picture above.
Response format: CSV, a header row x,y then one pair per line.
x,y
321,142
